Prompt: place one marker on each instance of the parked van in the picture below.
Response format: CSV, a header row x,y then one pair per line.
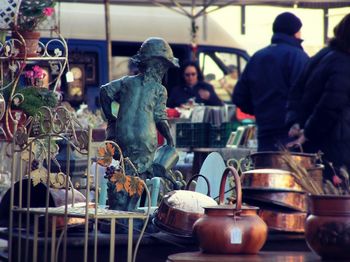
x,y
83,26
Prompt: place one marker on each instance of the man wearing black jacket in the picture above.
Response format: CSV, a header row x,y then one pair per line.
x,y
263,88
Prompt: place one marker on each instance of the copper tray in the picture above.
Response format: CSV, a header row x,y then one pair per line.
x,y
270,179
290,200
286,222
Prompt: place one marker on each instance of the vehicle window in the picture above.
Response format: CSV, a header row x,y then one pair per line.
x,y
228,59
210,69
243,62
221,70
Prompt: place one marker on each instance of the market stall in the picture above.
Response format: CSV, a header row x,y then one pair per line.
x,y
46,218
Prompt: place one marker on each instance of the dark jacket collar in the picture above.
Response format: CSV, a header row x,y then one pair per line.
x,y
279,38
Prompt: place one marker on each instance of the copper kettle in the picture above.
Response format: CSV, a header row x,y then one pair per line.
x,y
230,229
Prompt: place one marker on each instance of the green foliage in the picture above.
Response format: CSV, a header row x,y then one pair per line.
x,y
34,98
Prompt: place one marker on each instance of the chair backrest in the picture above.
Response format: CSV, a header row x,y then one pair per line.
x,y
154,189
212,168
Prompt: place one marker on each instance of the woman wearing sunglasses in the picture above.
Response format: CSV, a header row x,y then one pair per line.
x,y
193,87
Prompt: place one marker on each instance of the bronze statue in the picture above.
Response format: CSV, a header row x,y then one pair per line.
x,y
135,106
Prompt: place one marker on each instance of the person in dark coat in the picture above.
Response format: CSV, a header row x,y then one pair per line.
x,y
263,88
326,121
193,87
294,109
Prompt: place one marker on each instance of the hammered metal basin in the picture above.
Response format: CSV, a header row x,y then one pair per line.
x,y
271,179
287,200
275,160
286,222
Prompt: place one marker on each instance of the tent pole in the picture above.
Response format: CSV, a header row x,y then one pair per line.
x,y
243,19
108,38
325,25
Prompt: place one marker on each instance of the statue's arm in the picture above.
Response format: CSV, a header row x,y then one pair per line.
x,y
108,94
164,130
161,118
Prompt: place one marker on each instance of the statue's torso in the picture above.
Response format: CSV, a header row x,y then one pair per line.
x,y
135,126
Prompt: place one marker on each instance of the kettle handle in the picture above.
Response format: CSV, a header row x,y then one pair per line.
x,y
195,176
237,184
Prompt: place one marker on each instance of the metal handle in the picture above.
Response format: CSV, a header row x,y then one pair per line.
x,y
195,176
300,147
237,185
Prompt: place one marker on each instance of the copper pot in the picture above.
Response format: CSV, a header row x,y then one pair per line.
x,y
289,200
275,160
286,222
175,220
271,179
230,228
327,228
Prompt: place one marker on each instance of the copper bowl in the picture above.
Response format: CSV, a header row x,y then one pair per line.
x,y
286,222
288,200
175,220
275,160
270,179
327,228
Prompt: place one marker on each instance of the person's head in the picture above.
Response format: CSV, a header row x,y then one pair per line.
x,y
155,48
191,73
342,33
232,71
287,23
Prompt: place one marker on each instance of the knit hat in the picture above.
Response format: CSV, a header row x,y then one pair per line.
x,y
286,23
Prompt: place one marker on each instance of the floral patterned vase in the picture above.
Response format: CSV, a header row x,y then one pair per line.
x,y
327,228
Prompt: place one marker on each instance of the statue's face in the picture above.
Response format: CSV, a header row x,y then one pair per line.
x,y
157,63
191,76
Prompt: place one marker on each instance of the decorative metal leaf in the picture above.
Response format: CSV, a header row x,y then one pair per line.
x,y
58,180
13,68
38,175
58,52
7,50
26,154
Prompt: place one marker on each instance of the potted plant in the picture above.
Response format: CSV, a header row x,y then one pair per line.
x,y
124,187
30,15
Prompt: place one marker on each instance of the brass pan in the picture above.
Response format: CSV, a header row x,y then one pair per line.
x,y
290,200
274,160
271,179
286,222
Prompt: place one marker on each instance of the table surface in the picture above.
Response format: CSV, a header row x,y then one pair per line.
x,y
225,152
260,257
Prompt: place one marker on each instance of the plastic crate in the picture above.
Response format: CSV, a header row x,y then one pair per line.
x,y
218,136
192,134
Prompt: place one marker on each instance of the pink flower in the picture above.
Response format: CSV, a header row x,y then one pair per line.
x,y
48,11
29,74
38,72
336,180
